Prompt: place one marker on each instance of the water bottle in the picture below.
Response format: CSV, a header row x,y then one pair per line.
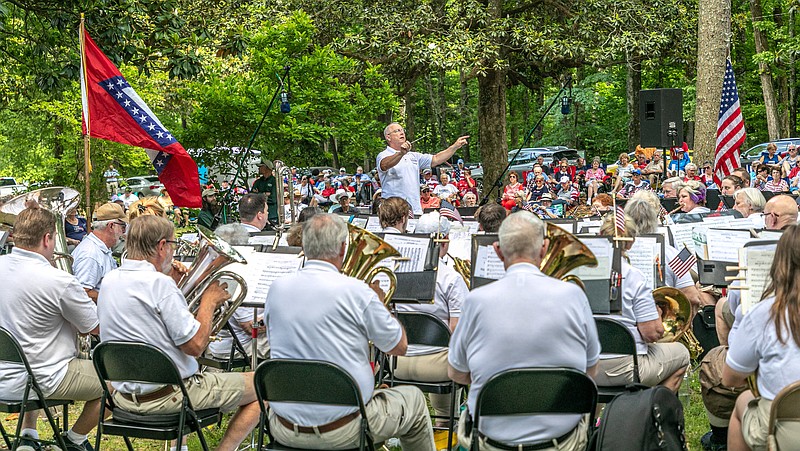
x,y
685,391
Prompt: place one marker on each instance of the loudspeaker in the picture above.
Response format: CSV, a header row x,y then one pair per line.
x,y
658,108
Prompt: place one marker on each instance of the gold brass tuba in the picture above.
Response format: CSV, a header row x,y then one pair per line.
x,y
676,315
57,199
212,256
364,251
565,253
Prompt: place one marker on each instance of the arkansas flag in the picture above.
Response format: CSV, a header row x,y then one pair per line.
x,y
112,110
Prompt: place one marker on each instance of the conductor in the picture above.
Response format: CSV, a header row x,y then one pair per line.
x,y
399,167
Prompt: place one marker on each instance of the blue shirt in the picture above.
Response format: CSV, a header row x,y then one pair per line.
x,y
92,261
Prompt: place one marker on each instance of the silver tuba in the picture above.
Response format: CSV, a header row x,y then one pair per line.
x,y
213,254
57,199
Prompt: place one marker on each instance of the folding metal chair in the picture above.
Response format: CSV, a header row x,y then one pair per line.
x,y
532,391
117,361
311,382
615,338
11,352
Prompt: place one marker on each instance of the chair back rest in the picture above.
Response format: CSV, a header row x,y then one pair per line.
x,y
615,337
424,329
785,406
10,350
118,361
306,381
528,391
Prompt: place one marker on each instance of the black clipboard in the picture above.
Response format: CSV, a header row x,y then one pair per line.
x,y
418,286
712,199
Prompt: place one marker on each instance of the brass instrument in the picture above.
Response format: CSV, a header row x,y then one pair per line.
x,y
676,315
282,170
57,199
565,253
463,268
580,211
212,256
364,251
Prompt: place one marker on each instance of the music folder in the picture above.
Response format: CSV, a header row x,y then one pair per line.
x,y
417,268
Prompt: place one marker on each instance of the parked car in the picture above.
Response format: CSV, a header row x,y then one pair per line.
x,y
528,156
145,185
754,153
9,186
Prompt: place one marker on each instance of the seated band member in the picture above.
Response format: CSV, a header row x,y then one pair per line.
x,y
692,197
393,215
253,212
659,363
425,363
318,313
490,216
43,307
144,305
525,319
766,339
643,209
92,259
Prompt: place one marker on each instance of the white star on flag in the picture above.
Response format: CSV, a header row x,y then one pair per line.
x,y
111,86
135,111
143,118
160,134
151,126
127,103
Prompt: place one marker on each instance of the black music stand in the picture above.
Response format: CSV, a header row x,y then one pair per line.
x,y
569,222
598,291
417,286
728,201
712,199
477,242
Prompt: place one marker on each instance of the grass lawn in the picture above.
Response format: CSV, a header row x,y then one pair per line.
x,y
696,426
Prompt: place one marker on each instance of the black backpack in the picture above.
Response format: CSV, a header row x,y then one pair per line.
x,y
643,419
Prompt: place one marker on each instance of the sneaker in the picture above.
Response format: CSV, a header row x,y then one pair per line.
x,y
27,443
85,446
708,444
440,437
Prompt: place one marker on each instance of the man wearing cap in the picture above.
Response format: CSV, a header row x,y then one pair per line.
x,y
112,179
458,171
342,199
399,167
544,209
92,258
208,214
567,192
425,198
429,179
637,183
128,198
266,184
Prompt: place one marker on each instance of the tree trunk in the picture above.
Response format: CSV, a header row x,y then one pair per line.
x,y
713,29
770,102
632,87
792,80
492,126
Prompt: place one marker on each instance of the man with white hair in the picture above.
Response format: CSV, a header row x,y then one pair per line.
x,y
92,258
511,323
424,363
399,167
339,327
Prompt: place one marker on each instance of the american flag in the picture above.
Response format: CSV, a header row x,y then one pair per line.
x,y
683,262
619,218
448,210
730,128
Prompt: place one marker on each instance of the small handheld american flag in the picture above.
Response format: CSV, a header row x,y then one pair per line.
x,y
619,218
448,210
683,262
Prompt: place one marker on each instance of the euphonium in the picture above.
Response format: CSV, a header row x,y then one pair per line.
x,y
676,315
364,251
565,253
462,267
57,199
212,256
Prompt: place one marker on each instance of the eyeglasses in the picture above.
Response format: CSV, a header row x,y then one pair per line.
x,y
121,224
400,130
173,242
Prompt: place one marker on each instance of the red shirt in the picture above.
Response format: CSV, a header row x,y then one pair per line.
x,y
465,186
328,192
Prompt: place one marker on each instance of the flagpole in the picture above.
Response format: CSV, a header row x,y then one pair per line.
x,y
87,162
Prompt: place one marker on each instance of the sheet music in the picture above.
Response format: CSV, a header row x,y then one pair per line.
x,y
740,223
645,255
412,225
724,245
488,264
682,235
262,269
602,249
413,248
190,237
360,222
700,240
664,231
374,225
266,240
471,226
717,221
460,244
770,235
568,226
756,261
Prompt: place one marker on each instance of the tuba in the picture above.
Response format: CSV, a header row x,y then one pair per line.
x,y
213,254
565,253
364,251
676,315
57,199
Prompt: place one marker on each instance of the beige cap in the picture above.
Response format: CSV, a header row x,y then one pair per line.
x,y
209,192
109,211
268,164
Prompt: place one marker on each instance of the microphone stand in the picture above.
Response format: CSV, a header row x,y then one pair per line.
x,y
499,182
243,159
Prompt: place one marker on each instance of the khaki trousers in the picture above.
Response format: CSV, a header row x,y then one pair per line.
x,y
429,368
575,442
393,412
661,361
